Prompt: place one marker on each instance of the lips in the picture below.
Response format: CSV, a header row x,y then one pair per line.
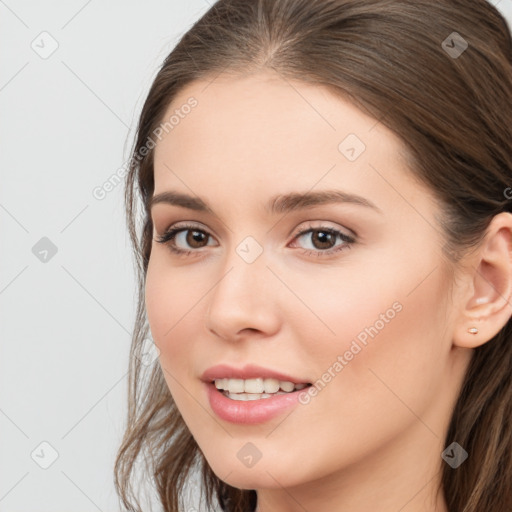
x,y
250,371
249,412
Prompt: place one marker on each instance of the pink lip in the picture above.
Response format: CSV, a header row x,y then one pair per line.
x,y
249,371
251,411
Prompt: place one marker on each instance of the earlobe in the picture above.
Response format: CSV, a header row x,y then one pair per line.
x,y
488,305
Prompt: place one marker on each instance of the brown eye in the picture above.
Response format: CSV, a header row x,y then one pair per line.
x,y
321,241
195,238
185,239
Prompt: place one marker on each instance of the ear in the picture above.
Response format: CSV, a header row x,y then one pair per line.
x,y
487,304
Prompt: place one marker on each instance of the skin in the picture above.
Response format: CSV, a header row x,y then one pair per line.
x,y
372,438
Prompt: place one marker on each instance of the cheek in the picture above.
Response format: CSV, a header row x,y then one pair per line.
x,y
386,354
383,384
159,299
170,295
386,320
163,304
175,310
390,310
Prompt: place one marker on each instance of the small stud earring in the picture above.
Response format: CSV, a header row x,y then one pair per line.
x,y
473,330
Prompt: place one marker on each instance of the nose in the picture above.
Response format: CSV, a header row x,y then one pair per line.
x,y
244,301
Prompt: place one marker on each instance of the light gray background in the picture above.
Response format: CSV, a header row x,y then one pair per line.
x,y
66,126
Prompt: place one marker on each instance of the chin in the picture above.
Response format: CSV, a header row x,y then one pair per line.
x,y
257,477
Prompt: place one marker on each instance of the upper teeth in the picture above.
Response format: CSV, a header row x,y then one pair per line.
x,y
258,385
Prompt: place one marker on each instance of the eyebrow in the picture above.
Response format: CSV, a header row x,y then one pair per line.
x,y
284,203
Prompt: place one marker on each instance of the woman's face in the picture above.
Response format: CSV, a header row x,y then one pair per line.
x,y
359,304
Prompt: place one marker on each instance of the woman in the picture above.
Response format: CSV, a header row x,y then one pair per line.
x,y
324,260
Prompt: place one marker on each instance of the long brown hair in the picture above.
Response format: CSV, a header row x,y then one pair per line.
x,y
448,96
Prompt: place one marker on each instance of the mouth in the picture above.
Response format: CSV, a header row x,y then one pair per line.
x,y
256,388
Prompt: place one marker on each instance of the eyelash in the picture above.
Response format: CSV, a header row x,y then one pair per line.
x,y
169,236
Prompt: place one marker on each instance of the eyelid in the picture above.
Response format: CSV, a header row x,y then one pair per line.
x,y
323,224
296,231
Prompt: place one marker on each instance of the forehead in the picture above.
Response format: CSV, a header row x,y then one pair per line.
x,y
263,131
263,106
